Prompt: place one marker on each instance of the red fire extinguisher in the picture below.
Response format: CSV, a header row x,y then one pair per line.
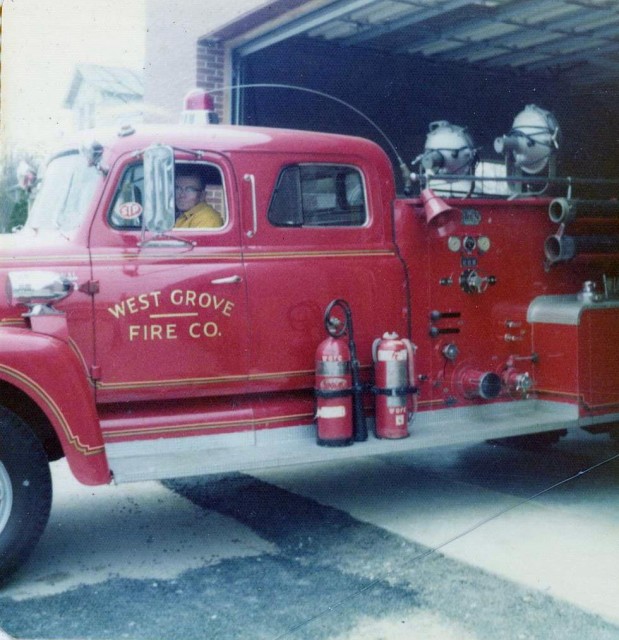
x,y
333,389
393,376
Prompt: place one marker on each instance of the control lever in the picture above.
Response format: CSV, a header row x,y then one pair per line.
x,y
473,282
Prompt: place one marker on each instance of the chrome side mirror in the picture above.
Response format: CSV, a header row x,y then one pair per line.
x,y
38,290
159,188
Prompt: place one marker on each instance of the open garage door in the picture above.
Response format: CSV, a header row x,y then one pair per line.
x,y
404,65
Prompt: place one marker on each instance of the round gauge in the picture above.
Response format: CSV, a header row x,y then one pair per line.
x,y
483,243
469,244
454,244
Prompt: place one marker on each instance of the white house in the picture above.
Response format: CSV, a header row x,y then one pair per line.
x,y
105,96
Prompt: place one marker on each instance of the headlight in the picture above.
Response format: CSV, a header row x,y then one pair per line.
x,y
38,287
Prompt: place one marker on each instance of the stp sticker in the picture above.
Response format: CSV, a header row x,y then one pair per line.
x,y
130,210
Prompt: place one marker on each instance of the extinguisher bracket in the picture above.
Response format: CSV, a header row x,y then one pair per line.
x,y
336,393
395,392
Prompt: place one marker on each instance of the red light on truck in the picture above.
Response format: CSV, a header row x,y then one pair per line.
x,y
199,108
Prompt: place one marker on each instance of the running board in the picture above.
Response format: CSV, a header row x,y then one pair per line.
x,y
249,450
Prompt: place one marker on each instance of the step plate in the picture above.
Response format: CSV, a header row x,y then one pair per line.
x,y
179,457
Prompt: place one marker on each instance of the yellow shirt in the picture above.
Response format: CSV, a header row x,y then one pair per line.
x,y
202,216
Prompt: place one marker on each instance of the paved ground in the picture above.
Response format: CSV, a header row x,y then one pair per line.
x,y
474,505
339,552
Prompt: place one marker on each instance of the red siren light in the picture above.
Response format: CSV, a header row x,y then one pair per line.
x,y
199,108
197,99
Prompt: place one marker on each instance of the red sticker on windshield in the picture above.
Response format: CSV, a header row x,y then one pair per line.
x,y
130,210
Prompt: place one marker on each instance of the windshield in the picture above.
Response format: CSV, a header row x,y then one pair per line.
x,y
67,190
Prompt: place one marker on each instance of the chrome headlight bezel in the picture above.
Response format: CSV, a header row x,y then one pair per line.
x,y
37,287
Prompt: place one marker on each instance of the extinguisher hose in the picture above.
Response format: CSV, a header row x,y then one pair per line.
x,y
360,427
411,348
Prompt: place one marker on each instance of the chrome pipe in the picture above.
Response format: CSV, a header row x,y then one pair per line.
x,y
564,210
561,248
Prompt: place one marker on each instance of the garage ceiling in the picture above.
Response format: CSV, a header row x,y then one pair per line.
x,y
574,40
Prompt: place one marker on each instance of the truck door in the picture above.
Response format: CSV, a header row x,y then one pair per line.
x,y
170,314
321,233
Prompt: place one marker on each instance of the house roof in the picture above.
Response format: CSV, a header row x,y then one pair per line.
x,y
576,41
119,82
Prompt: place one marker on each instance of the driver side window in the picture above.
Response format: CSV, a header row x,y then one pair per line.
x,y
126,211
209,211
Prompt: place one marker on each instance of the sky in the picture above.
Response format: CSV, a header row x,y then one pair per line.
x,y
42,41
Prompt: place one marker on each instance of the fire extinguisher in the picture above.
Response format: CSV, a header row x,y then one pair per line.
x,y
339,393
333,389
393,376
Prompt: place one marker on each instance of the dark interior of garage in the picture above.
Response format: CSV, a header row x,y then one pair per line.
x,y
402,95
474,63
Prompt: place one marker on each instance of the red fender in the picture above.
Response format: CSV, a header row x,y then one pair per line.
x,y
51,373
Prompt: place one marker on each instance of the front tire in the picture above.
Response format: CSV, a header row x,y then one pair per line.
x,y
25,492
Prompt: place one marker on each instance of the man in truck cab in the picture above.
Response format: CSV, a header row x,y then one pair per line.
x,y
192,212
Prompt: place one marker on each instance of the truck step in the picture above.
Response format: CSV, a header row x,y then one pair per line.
x,y
201,455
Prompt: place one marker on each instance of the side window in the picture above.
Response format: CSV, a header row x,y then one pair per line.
x,y
200,197
126,211
313,195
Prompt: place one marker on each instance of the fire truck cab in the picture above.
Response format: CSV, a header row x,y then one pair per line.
x,y
142,350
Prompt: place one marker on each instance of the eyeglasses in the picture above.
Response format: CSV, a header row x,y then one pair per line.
x,y
189,190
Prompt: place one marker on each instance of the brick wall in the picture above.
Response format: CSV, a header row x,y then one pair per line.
x,y
214,195
210,72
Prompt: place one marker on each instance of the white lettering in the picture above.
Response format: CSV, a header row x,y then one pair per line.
x,y
117,310
134,304
152,332
204,300
176,297
208,330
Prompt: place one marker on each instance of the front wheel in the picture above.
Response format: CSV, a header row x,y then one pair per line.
x,y
25,492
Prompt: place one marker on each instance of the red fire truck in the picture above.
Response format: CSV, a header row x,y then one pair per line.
x,y
141,351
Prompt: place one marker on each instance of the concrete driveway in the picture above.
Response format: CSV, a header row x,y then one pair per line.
x,y
473,543
548,520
